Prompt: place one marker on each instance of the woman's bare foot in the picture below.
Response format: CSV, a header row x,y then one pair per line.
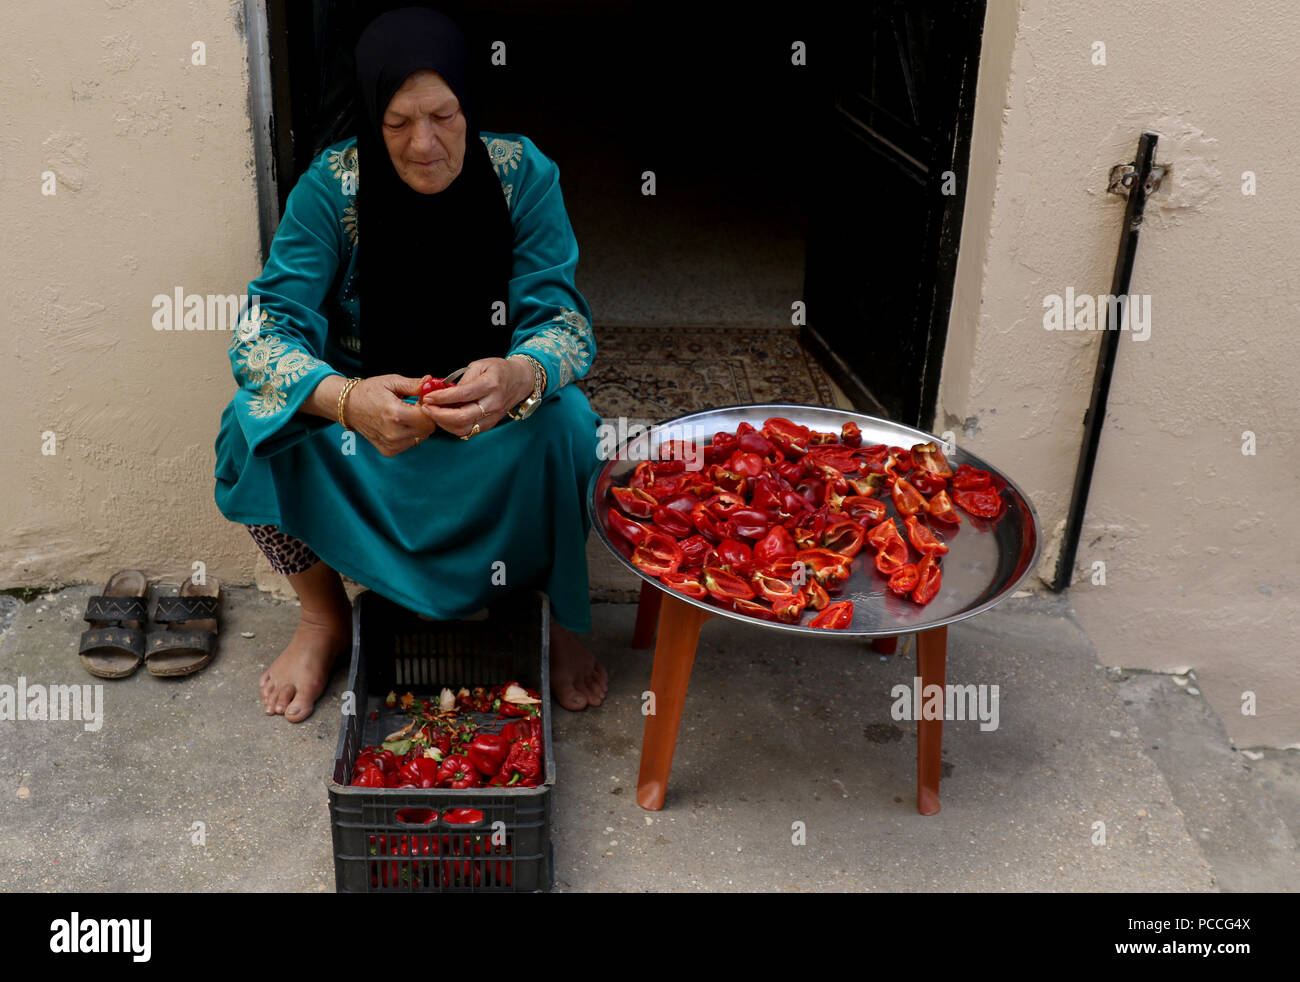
x,y
578,680
295,680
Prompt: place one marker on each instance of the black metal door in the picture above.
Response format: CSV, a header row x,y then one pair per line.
x,y
884,225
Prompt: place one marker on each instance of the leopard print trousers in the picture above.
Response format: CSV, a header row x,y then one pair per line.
x,y
286,554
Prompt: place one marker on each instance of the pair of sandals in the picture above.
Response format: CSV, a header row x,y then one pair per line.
x,y
115,644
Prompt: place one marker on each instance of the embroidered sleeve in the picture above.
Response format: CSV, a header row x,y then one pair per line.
x,y
552,321
276,350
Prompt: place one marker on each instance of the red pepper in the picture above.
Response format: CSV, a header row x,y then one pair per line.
x,y
772,588
735,556
892,549
835,617
487,751
923,540
525,761
721,448
791,609
686,583
791,438
928,457
745,464
755,443
634,532
672,522
907,499
970,478
659,553
725,586
838,457
860,508
776,544
928,483
851,434
750,523
942,509
827,567
752,608
705,523
722,504
844,537
695,552
423,772
635,501
904,579
370,777
787,470
816,595
929,578
457,772
983,502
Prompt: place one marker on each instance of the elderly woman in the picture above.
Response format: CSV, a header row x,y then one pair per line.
x,y
442,503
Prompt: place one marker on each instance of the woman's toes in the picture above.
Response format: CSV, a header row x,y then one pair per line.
x,y
284,695
570,697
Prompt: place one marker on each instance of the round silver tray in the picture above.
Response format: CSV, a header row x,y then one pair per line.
x,y
985,563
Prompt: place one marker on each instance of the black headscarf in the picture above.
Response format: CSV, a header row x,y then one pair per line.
x,y
434,263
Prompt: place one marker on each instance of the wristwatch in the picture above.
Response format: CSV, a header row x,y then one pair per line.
x,y
529,405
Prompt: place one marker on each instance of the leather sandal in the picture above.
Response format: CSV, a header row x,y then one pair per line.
x,y
113,646
186,644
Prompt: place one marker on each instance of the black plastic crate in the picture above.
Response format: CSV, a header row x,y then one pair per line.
x,y
388,840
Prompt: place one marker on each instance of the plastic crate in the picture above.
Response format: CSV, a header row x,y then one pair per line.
x,y
388,840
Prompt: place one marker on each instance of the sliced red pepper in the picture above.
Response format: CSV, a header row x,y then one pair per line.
x,y
787,470
792,438
928,457
745,464
816,594
844,459
722,504
837,616
695,552
658,554
752,608
772,588
970,478
844,537
880,535
826,566
634,501
634,532
705,523
735,556
790,610
673,522
983,502
928,483
726,586
754,442
929,578
923,539
907,499
851,434
904,579
776,544
860,508
727,480
942,509
684,583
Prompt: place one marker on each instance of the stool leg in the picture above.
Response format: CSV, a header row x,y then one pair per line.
x,y
931,658
679,634
885,646
647,613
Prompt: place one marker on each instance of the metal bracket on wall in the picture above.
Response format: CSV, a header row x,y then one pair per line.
x,y
1122,177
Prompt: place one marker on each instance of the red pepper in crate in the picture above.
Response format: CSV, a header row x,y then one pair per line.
x,y
487,752
515,700
835,617
929,578
684,583
983,502
904,579
941,508
457,773
659,553
370,777
923,540
423,772
634,501
851,434
523,765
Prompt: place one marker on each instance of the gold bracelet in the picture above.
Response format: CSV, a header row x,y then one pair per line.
x,y
539,386
343,398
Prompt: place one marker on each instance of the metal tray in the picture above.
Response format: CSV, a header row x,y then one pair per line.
x,y
985,563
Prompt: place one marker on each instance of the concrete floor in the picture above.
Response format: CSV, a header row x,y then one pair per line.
x,y
776,732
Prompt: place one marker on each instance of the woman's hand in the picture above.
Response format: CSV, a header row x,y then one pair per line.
x,y
375,410
489,387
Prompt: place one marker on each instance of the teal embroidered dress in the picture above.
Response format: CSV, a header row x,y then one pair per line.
x,y
449,525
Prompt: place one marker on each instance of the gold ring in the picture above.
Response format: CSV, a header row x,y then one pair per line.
x,y
474,432
481,409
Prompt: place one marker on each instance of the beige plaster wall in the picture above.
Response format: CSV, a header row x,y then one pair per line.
x,y
152,157
1198,543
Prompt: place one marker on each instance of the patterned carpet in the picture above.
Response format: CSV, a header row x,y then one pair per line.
x,y
651,374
